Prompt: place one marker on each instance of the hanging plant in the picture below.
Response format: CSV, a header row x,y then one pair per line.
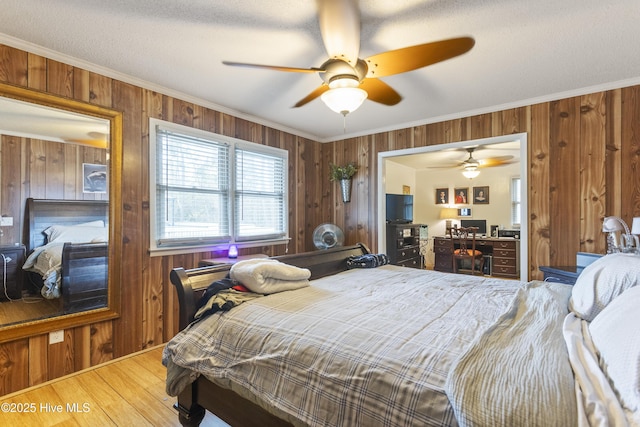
x,y
343,174
338,173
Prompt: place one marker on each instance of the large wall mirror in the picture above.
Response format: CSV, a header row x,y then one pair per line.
x,y
60,225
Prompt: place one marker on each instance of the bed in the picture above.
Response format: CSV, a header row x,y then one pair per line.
x,y
67,251
396,346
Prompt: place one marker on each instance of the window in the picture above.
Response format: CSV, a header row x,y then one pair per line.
x,y
208,189
516,201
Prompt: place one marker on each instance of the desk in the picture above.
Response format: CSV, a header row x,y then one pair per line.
x,y
503,254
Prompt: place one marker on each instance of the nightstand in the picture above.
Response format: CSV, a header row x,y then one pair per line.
x,y
568,274
11,260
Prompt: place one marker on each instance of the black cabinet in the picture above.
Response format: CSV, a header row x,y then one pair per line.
x,y
403,245
11,260
568,274
561,274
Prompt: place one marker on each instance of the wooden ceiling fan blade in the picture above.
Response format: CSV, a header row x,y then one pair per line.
x,y
313,95
340,28
379,91
97,143
414,57
444,166
273,67
495,161
98,135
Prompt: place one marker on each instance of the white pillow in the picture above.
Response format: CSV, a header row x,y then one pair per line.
x,y
80,233
601,282
615,335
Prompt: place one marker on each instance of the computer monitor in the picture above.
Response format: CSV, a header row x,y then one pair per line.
x,y
480,223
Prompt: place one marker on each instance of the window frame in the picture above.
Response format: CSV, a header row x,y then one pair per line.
x,y
516,202
190,246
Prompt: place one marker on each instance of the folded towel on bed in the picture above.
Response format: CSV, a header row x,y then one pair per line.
x,y
268,276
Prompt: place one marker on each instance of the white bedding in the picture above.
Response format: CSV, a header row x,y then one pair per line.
x,y
366,347
517,373
46,261
597,402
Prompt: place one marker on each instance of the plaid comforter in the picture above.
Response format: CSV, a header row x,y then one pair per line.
x,y
361,348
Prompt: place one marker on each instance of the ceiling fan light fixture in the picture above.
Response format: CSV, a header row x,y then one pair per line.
x,y
471,171
344,95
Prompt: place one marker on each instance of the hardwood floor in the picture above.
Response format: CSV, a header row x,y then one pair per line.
x,y
124,392
28,308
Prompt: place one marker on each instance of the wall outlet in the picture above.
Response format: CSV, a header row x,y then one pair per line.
x,y
6,221
56,337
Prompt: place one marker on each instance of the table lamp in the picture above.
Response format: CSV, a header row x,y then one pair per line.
x,y
448,214
613,225
635,231
233,252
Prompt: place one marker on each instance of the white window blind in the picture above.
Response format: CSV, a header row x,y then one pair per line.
x,y
515,201
260,196
192,189
211,189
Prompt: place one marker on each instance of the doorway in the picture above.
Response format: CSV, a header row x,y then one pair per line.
x,y
414,158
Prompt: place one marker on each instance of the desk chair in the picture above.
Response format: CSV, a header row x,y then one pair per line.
x,y
460,238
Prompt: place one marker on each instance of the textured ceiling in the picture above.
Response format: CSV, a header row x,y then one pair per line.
x,y
525,52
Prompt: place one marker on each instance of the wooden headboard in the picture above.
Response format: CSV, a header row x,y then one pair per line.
x,y
191,283
43,213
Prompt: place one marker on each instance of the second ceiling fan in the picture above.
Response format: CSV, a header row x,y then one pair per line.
x,y
470,165
347,79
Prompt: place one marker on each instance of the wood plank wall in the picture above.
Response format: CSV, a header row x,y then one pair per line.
x,y
43,170
149,306
584,164
579,148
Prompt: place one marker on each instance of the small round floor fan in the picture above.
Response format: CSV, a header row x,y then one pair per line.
x,y
327,236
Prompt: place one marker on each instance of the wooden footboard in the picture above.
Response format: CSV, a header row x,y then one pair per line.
x,y
84,268
203,394
84,276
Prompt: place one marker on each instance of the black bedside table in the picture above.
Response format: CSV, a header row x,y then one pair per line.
x,y
567,274
11,259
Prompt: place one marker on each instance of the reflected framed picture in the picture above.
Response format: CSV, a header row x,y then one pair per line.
x,y
480,195
442,196
94,178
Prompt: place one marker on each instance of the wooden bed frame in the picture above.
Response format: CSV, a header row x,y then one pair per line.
x,y
84,265
203,394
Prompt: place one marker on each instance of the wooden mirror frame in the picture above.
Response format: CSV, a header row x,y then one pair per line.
x,y
64,321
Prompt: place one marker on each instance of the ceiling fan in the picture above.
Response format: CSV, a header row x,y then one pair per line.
x,y
486,162
95,139
347,79
471,165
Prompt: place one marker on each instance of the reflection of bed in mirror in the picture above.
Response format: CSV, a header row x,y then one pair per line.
x,y
67,251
